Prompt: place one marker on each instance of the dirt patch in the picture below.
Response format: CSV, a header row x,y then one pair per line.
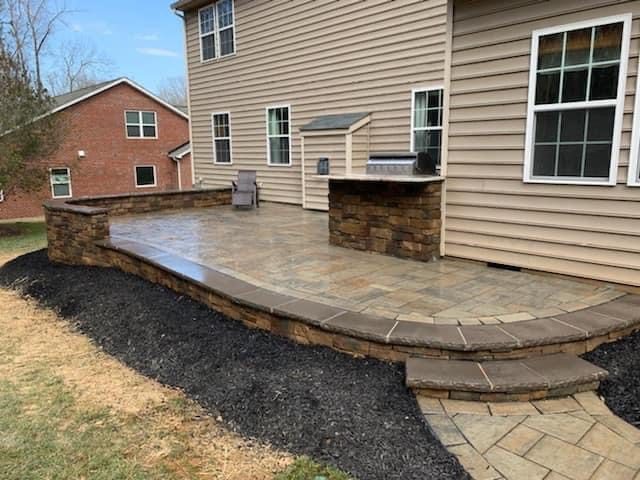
x,y
354,414
10,230
163,427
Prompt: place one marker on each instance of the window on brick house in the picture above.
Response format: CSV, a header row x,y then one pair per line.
x,y
60,182
145,176
141,124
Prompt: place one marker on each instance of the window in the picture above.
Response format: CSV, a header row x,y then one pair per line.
x,y
426,122
1,196
278,135
60,182
141,124
145,176
217,30
576,102
221,138
634,154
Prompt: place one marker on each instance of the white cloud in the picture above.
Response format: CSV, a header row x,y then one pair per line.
x,y
100,28
152,37
157,52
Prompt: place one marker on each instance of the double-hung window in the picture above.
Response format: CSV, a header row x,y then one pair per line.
x,y
60,182
279,135
426,122
221,124
576,102
141,124
217,30
634,154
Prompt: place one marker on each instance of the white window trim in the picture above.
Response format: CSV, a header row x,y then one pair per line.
x,y
53,193
141,125
266,113
213,135
216,32
634,154
413,114
528,177
1,196
155,176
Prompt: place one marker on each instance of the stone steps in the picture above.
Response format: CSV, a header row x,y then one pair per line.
x,y
503,380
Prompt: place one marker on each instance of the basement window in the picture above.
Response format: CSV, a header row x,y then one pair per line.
x,y
576,102
60,182
141,124
145,176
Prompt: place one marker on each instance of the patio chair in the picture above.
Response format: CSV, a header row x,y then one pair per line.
x,y
245,190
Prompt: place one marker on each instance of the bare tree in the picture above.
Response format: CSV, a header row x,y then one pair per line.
x,y
174,91
77,65
30,26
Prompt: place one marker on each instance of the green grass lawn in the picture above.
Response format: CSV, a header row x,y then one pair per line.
x,y
21,237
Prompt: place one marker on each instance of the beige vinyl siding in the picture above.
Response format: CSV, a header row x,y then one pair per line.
x,y
588,231
317,187
321,58
360,150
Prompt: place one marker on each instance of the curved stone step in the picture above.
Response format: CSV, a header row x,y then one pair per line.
x,y
503,380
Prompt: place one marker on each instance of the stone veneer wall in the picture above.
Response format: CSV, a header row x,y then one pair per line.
x,y
393,218
74,226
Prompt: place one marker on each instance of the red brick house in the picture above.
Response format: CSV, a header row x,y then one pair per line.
x,y
119,138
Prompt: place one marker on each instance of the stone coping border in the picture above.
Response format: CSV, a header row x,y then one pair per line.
x,y
358,333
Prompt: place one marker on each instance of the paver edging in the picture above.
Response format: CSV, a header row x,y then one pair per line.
x,y
378,342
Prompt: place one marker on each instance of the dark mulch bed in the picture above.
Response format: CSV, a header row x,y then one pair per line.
x,y
353,414
621,390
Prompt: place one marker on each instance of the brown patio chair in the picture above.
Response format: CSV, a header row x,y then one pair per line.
x,y
245,190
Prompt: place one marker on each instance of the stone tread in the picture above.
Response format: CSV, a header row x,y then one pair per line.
x,y
546,373
617,315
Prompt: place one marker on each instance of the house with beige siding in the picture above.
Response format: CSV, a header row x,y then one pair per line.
x,y
528,106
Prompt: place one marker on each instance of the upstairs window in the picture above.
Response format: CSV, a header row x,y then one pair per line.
x,y
279,135
576,102
217,30
60,182
141,124
221,138
426,122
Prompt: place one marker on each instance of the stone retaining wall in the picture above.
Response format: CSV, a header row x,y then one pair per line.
x,y
399,219
74,226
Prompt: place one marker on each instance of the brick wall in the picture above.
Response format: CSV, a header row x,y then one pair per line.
x,y
97,126
75,226
399,219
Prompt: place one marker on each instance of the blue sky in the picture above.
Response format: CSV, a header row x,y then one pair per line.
x,y
142,38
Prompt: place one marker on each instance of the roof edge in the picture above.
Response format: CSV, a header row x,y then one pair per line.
x,y
110,85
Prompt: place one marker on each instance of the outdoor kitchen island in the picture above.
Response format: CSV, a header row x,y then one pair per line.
x,y
398,215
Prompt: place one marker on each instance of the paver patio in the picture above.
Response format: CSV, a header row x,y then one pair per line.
x,y
575,438
286,249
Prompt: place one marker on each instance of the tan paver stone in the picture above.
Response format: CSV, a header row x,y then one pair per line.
x,y
592,404
562,457
560,425
484,431
520,440
489,320
621,427
512,408
582,415
609,470
555,476
474,463
515,317
445,321
454,407
514,467
609,444
557,405
429,406
445,430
